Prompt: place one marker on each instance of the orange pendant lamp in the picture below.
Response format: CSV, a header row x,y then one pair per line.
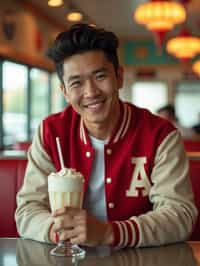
x,y
196,67
184,46
160,17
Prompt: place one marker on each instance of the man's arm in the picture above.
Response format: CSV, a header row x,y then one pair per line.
x,y
33,217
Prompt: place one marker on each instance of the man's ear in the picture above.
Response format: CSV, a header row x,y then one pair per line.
x,y
120,77
64,91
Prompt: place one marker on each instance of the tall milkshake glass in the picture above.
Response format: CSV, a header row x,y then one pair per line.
x,y
65,190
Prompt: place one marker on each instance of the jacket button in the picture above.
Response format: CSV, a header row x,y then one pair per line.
x,y
109,151
88,154
108,180
111,205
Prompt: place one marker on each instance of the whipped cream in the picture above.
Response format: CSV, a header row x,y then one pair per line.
x,y
66,180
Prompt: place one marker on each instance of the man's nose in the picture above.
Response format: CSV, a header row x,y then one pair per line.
x,y
91,87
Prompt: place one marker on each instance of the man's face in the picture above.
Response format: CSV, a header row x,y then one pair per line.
x,y
91,87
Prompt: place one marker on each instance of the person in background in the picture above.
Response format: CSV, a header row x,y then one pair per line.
x,y
196,127
137,190
168,112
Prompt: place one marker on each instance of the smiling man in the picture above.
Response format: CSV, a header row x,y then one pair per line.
x,y
137,189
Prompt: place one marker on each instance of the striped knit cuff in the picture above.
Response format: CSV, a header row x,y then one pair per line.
x,y
126,233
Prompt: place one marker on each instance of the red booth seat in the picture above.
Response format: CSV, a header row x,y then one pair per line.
x,y
11,178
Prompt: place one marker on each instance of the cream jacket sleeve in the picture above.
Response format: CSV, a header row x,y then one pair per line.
x,y
174,213
33,217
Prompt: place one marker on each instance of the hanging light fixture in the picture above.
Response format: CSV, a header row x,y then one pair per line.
x,y
160,16
55,3
74,16
184,46
196,67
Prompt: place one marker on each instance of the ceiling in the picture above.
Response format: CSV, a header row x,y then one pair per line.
x,y
114,15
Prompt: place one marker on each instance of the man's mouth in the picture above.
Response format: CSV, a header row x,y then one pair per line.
x,y
94,105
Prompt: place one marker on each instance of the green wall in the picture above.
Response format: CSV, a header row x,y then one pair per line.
x,y
145,52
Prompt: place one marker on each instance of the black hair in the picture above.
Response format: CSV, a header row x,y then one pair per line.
x,y
81,38
169,108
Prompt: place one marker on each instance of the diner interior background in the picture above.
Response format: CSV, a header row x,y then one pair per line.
x,y
29,88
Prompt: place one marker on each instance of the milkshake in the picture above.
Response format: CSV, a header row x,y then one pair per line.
x,y
65,189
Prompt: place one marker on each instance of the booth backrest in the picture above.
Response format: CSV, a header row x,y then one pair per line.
x,y
11,178
192,145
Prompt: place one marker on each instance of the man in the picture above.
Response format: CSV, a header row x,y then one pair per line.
x,y
137,190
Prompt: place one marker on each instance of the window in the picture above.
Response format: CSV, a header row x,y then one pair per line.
x,y
187,102
39,97
150,95
14,102
28,94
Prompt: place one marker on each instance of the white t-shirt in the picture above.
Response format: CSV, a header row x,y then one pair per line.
x,y
94,200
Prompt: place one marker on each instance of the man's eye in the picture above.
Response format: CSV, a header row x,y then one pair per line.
x,y
75,84
100,76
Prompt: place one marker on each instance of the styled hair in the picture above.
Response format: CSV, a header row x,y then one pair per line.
x,y
81,38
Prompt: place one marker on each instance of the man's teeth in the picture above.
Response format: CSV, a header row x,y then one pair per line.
x,y
94,104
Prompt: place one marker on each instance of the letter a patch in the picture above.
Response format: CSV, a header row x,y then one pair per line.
x,y
140,181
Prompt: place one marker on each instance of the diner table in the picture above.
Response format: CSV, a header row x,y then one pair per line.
x,y
24,252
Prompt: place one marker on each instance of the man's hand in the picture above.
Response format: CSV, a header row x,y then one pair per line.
x,y
80,227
